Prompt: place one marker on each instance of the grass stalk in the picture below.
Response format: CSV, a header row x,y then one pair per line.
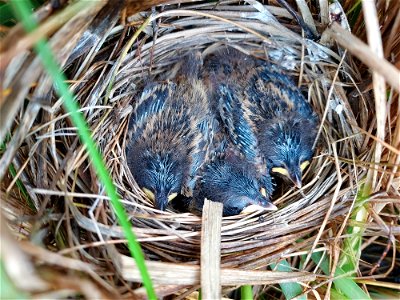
x,y
246,292
8,290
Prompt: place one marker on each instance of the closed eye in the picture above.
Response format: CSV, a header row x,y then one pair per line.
x,y
304,165
172,196
149,194
280,170
263,192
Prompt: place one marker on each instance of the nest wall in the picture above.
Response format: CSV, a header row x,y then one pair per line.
x,y
247,241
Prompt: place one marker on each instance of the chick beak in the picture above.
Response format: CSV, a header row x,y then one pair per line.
x,y
252,208
255,207
295,177
270,206
161,201
262,205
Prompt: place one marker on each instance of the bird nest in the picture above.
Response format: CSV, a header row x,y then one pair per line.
x,y
107,78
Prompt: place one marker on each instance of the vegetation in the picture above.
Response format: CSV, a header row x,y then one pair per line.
x,y
336,238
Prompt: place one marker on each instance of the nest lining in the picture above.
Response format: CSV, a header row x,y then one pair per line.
x,y
249,242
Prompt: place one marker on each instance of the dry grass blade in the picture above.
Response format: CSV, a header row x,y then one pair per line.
x,y
375,43
324,11
211,250
165,274
307,16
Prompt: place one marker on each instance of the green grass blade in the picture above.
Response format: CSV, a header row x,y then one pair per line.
x,y
21,188
335,295
7,16
289,289
246,292
352,245
354,12
344,285
8,290
44,52
18,182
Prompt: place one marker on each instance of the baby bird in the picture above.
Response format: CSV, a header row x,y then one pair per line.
x,y
169,134
231,179
263,112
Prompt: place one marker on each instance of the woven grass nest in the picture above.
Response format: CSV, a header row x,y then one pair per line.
x,y
107,78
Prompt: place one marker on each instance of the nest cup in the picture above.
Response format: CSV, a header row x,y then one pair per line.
x,y
251,241
110,80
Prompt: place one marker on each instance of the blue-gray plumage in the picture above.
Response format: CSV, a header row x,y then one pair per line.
x,y
228,177
169,134
259,99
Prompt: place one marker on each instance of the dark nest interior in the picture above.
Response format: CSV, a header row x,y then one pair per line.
x,y
55,205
